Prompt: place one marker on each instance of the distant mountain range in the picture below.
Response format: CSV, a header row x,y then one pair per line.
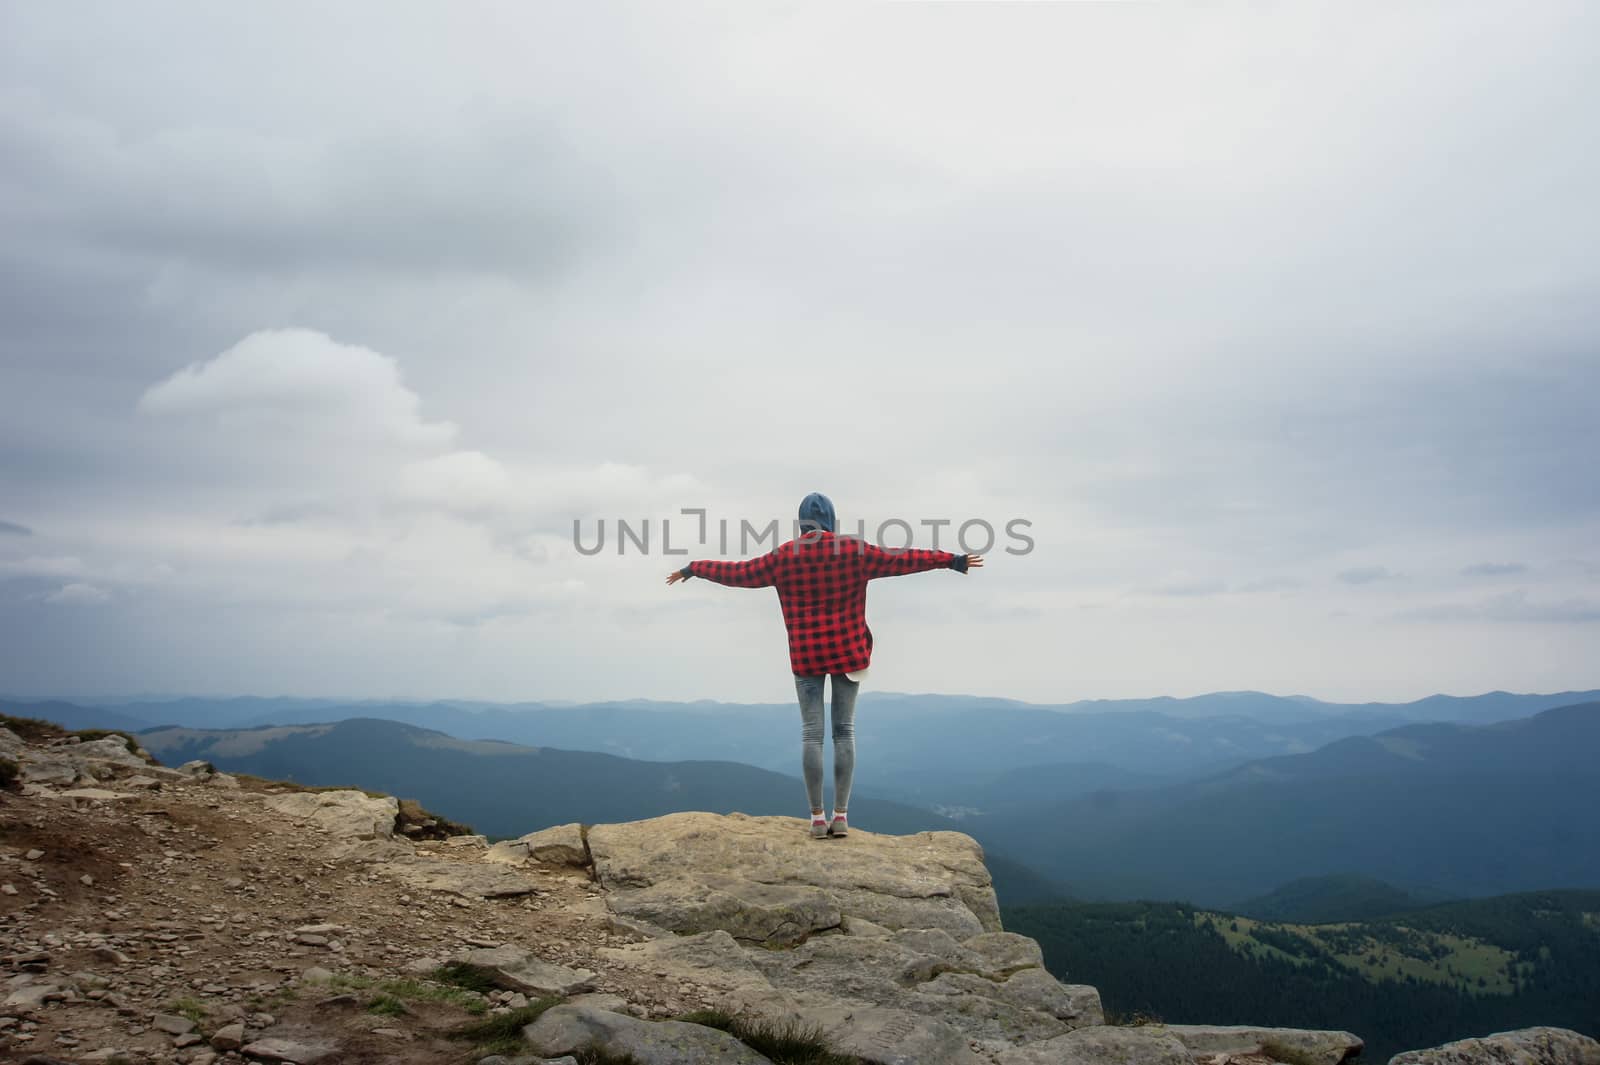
x,y
1467,810
953,752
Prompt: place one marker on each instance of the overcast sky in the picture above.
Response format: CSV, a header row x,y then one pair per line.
x,y
321,324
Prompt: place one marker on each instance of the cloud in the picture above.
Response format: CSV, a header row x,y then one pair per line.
x,y
1367,575
8,528
78,594
1195,589
286,377
44,566
1493,569
1514,606
1271,584
528,293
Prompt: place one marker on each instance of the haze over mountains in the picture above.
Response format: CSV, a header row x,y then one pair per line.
x,y
1075,800
908,740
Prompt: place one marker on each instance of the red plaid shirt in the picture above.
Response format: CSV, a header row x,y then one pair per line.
x,y
822,586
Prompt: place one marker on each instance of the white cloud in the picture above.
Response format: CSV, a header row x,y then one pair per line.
x,y
78,594
291,380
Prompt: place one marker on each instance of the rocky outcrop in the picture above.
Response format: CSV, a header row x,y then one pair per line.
x,y
1526,1046
566,1029
890,944
1103,1046
1308,1047
340,814
695,872
69,761
516,969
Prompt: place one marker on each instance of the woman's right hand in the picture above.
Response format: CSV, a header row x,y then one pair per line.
x,y
974,561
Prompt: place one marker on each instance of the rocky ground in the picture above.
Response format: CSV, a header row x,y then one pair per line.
x,y
150,914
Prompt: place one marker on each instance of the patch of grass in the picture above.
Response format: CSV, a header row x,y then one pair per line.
x,y
37,730
8,772
1287,1054
789,1042
460,974
501,1033
188,1007
387,1005
413,991
32,729
1131,1019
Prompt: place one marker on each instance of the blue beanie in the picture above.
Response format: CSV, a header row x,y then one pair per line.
x,y
816,512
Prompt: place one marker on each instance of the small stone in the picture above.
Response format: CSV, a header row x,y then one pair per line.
x,y
228,1037
173,1024
34,855
8,889
86,880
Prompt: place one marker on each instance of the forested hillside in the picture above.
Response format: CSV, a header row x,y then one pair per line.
x,y
1415,979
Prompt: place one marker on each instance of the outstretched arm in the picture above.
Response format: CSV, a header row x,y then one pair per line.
x,y
881,562
758,572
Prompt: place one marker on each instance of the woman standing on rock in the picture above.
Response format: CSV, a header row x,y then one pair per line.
x,y
822,587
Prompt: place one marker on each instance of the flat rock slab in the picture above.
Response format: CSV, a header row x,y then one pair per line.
x,y
96,794
1102,1045
927,880
341,814
778,915
1320,1048
890,1037
289,1050
516,969
1525,1046
473,880
565,1029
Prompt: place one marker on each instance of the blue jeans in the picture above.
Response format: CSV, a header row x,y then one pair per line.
x,y
844,736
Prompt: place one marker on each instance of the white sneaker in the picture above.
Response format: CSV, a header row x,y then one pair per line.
x,y
839,826
819,828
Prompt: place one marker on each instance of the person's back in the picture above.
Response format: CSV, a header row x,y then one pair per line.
x,y
821,580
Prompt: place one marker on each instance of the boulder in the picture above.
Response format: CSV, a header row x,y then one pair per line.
x,y
1314,1047
341,814
1103,1045
108,749
561,845
1525,1046
926,880
516,969
566,1029
228,1037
